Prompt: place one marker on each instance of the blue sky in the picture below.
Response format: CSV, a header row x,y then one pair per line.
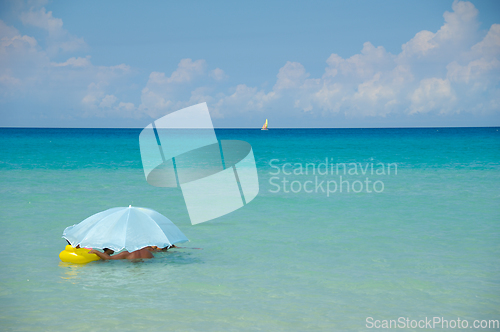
x,y
299,64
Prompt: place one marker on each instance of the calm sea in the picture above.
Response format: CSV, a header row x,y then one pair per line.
x,y
419,242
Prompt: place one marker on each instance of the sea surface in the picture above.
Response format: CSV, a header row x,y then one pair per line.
x,y
419,242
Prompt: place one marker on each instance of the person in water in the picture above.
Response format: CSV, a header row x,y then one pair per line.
x,y
106,255
155,248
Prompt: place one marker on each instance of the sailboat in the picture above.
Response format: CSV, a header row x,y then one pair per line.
x,y
264,127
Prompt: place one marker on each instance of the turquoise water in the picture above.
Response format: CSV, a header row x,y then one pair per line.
x,y
426,245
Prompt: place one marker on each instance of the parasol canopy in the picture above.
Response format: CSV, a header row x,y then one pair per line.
x,y
130,228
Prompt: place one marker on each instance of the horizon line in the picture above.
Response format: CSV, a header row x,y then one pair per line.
x,y
256,128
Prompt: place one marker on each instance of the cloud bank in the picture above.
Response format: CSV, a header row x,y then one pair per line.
x,y
453,70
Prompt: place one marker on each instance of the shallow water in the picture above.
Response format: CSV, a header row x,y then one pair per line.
x,y
427,245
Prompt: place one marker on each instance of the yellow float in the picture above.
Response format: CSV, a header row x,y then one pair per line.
x,y
77,255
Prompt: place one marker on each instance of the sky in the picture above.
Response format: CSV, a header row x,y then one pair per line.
x,y
337,64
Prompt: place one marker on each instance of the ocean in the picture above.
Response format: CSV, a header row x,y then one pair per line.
x,y
351,228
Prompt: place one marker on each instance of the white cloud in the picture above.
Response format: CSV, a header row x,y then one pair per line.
x,y
108,101
218,74
97,104
373,92
21,60
17,44
432,94
328,97
97,101
420,45
154,103
490,45
161,92
9,80
94,94
291,75
7,31
461,24
473,71
360,66
186,71
455,37
42,19
127,110
74,62
59,38
244,99
477,79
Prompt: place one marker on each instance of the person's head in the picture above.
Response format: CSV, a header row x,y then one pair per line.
x,y
108,251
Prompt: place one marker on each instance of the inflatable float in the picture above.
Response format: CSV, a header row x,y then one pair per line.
x,y
77,255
